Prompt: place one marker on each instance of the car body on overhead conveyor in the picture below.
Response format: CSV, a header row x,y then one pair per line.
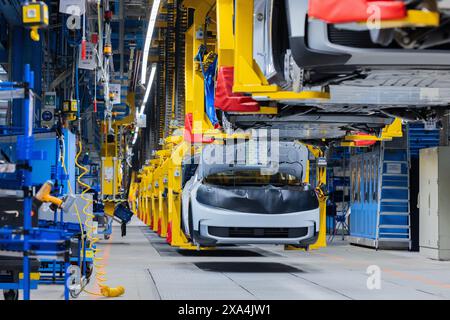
x,y
399,71
312,127
235,202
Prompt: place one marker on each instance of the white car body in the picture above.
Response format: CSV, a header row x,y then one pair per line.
x,y
215,214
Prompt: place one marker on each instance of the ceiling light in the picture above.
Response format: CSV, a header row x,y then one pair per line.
x,y
148,39
135,136
149,88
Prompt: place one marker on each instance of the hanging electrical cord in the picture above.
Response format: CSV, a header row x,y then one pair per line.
x,y
100,274
77,211
89,231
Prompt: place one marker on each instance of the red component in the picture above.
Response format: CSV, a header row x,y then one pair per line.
x,y
189,136
342,11
226,99
364,143
169,233
108,15
94,38
159,227
95,105
83,49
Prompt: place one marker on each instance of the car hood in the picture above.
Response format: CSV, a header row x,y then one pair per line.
x,y
267,199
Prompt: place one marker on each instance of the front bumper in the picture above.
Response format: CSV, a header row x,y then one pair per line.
x,y
206,219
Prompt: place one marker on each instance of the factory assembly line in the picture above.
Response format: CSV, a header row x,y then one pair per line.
x,y
217,150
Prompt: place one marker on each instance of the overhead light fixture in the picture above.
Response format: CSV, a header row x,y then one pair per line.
x,y
148,39
149,88
135,136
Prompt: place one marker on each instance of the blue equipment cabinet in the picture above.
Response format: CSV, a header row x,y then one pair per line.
x,y
46,144
380,206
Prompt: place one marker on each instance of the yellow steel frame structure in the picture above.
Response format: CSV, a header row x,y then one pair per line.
x,y
389,132
413,19
160,179
144,199
159,184
248,77
177,237
321,178
153,196
133,194
111,173
195,86
159,199
163,176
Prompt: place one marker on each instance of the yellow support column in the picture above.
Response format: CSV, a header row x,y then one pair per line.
x,y
155,201
142,196
145,195
177,237
149,196
225,36
195,88
132,194
158,200
139,207
153,196
321,181
163,202
247,74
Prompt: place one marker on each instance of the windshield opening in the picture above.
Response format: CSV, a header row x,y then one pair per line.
x,y
252,178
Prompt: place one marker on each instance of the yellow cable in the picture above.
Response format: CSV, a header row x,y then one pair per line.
x,y
100,274
63,163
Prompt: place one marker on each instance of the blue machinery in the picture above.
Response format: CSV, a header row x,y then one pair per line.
x,y
380,198
383,202
30,241
41,247
49,241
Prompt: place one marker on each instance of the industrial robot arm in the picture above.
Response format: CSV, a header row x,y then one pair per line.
x,y
64,203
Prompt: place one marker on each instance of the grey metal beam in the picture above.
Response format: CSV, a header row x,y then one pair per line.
x,y
314,118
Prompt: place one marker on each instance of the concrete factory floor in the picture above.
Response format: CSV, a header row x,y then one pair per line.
x,y
149,269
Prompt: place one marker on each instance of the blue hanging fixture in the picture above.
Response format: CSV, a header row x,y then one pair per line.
x,y
209,76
